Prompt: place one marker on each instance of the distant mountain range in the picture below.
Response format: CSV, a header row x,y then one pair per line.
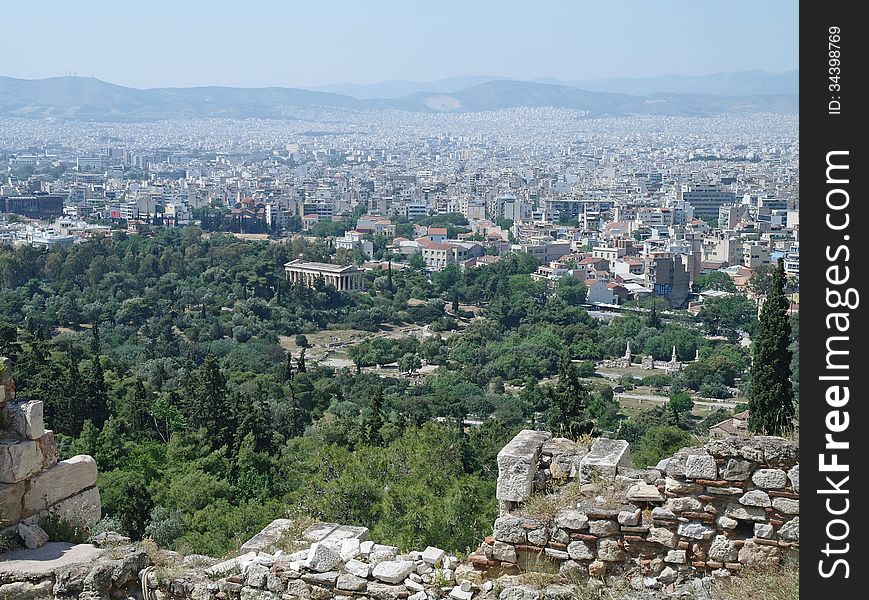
x,y
740,83
89,99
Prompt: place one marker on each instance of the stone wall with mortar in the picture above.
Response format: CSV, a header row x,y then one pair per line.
x,y
33,483
727,505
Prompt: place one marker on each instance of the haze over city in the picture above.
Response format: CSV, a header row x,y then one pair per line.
x,y
304,44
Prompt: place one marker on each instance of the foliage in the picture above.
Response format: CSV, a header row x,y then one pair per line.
x,y
771,403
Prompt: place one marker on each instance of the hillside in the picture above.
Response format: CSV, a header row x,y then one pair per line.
x,y
89,99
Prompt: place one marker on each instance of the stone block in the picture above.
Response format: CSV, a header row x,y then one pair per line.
x,y
770,479
604,459
580,551
701,466
393,571
787,506
11,495
433,555
83,509
755,498
643,492
737,470
19,459
790,531
33,536
48,446
65,479
663,536
268,539
794,477
509,529
745,513
27,419
517,465
609,550
571,519
696,531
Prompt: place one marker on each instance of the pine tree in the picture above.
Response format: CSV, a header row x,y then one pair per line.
x,y
568,402
771,401
288,368
373,422
300,366
654,320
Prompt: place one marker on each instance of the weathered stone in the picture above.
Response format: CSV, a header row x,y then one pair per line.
x,y
318,531
737,470
559,592
701,466
33,536
27,590
764,531
754,554
597,569
794,477
725,490
609,550
538,537
509,529
465,574
558,535
604,459
458,593
296,588
268,539
678,557
519,592
256,575
661,513
663,536
696,531
26,417
727,522
643,492
349,548
83,509
379,556
572,569
755,498
352,583
232,565
340,533
769,479
393,571
358,568
777,451
48,446
572,519
723,549
787,506
517,465
325,579
745,513
668,575
10,502
504,552
384,591
683,504
556,554
322,558
65,479
674,486
255,594
433,555
790,531
580,551
630,518
19,460
603,527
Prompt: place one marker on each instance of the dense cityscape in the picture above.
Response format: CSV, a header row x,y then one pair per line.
x,y
479,338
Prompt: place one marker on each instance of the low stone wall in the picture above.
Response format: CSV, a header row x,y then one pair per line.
x,y
729,504
33,483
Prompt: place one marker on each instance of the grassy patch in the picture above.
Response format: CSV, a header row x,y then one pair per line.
x,y
772,583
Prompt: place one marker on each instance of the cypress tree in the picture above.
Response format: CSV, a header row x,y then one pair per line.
x,y
654,320
771,401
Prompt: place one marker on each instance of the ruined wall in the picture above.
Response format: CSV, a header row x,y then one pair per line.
x,y
33,483
729,504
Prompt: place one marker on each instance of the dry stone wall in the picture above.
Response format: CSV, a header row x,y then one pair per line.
x,y
33,483
727,505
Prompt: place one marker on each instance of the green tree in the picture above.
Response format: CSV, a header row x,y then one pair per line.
x,y
771,402
716,280
568,401
654,319
660,442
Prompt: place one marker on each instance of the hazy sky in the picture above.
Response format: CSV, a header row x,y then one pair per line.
x,y
155,43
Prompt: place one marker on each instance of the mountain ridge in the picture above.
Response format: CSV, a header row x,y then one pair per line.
x,y
90,99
